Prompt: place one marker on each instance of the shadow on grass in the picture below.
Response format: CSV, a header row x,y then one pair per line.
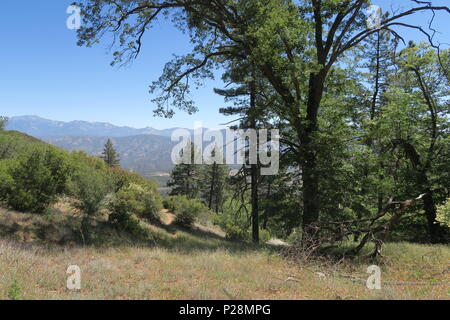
x,y
62,231
173,238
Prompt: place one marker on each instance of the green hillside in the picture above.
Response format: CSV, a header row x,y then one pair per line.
x,y
35,177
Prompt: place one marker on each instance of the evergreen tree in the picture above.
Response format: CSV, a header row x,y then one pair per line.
x,y
216,174
110,155
186,177
250,104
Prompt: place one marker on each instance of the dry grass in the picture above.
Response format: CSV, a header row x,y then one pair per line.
x,y
220,273
201,264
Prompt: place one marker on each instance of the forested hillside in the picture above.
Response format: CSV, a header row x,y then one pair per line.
x,y
363,114
144,154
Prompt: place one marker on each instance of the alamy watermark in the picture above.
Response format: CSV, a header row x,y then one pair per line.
x,y
375,17
232,147
374,281
74,20
74,279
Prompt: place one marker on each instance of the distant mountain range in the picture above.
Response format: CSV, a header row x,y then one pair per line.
x,y
146,151
37,126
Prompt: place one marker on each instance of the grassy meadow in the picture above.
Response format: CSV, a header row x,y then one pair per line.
x,y
200,263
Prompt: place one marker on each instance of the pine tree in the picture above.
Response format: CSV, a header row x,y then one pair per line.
x,y
216,174
110,155
249,105
186,178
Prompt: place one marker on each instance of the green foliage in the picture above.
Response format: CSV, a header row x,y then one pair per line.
x,y
110,155
443,213
174,203
264,235
36,180
187,177
234,220
169,203
132,202
120,178
362,122
14,292
187,211
90,187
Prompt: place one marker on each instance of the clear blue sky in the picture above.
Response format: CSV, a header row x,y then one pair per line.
x,y
44,73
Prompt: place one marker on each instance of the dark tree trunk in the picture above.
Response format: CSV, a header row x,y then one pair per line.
x,y
430,212
255,209
213,182
423,184
266,211
254,169
85,229
308,156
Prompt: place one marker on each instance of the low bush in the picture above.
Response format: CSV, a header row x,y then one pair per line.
x,y
89,187
186,211
443,213
132,202
35,181
173,203
235,232
234,221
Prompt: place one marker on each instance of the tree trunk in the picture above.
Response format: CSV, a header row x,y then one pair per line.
x,y
423,184
308,156
430,212
213,182
254,169
310,196
255,209
266,211
85,229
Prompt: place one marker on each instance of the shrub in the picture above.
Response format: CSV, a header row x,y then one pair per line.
x,y
14,292
120,178
36,181
90,187
443,213
132,202
6,180
187,211
264,235
235,232
174,203
8,147
167,203
234,221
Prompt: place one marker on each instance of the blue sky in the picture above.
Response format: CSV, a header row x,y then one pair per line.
x,y
44,73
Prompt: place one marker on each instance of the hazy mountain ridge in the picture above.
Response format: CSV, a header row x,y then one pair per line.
x,y
37,126
146,151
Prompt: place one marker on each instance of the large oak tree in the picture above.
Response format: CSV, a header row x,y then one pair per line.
x,y
293,44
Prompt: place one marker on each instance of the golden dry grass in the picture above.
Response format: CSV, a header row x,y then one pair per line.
x,y
201,264
221,273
